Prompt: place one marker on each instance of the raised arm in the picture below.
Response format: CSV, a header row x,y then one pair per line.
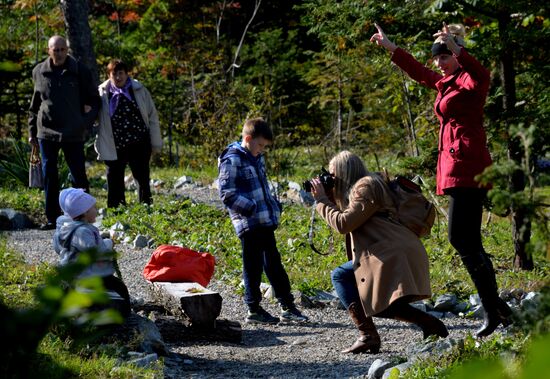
x,y
416,70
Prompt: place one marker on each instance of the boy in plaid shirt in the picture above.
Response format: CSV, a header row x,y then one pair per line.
x,y
255,215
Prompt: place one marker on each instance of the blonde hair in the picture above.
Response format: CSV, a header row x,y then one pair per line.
x,y
347,169
458,31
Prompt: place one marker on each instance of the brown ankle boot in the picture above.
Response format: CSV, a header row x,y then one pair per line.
x,y
369,340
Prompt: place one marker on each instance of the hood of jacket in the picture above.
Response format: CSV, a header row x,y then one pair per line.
x,y
235,148
65,227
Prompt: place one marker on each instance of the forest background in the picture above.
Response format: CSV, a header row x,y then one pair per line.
x,y
308,68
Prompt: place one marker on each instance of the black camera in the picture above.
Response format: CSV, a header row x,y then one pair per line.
x,y
326,178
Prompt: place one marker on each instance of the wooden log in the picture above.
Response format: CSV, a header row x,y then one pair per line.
x,y
192,303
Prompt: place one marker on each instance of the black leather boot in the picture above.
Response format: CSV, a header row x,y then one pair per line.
x,y
368,340
403,311
497,312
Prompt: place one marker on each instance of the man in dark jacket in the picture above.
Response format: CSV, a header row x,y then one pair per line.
x,y
65,102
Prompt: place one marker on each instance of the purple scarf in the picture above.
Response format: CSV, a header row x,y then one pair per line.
x,y
117,92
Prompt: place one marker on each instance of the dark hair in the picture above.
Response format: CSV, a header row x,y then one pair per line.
x,y
257,127
116,65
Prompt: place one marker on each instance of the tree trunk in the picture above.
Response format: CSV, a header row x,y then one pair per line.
x,y
79,35
521,225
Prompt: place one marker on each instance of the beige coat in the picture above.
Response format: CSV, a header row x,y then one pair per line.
x,y
389,260
105,142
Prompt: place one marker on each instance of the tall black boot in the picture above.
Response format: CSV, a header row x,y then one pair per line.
x,y
402,311
497,312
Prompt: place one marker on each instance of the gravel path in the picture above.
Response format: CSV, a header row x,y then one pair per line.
x,y
282,351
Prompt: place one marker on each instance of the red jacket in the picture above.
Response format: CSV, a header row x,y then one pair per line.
x,y
463,151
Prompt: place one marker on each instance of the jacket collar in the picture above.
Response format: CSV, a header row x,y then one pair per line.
x,y
70,65
136,85
446,80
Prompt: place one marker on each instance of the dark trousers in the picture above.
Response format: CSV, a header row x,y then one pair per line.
x,y
115,284
465,211
136,156
259,253
465,215
74,156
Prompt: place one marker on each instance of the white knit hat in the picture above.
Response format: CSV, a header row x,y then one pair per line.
x,y
75,202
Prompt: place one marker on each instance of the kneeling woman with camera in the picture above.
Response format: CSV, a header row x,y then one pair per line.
x,y
388,267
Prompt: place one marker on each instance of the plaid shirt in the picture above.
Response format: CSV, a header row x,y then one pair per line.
x,y
244,190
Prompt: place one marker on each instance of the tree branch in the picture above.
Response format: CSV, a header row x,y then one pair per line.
x,y
234,64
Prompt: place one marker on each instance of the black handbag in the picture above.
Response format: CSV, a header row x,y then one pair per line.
x,y
36,176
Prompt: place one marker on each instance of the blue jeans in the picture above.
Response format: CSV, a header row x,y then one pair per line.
x,y
260,254
74,156
343,280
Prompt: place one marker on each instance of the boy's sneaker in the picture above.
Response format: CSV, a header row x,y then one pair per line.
x,y
292,314
261,316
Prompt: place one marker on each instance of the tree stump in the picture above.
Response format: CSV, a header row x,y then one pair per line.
x,y
191,303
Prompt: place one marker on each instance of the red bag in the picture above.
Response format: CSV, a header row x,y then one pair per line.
x,y
179,264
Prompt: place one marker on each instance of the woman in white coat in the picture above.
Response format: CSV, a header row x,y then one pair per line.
x,y
129,131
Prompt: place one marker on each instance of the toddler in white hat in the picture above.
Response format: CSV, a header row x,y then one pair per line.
x,y
75,233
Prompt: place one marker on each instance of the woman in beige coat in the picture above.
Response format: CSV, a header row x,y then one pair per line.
x,y
128,133
390,265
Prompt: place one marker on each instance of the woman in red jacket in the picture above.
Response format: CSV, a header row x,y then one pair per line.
x,y
461,89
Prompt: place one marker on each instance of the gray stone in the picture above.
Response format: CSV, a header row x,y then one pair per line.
x,y
140,241
461,307
400,368
151,339
445,302
437,314
116,231
429,348
145,361
377,368
130,183
419,305
530,301
477,312
294,186
181,181
474,299
517,293
269,293
11,219
157,184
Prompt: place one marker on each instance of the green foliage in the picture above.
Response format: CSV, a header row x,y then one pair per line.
x,y
14,161
26,323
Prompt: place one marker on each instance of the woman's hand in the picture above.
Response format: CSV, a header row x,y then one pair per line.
x,y
381,39
317,189
448,39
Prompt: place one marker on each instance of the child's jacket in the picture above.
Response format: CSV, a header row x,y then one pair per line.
x,y
83,236
244,190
